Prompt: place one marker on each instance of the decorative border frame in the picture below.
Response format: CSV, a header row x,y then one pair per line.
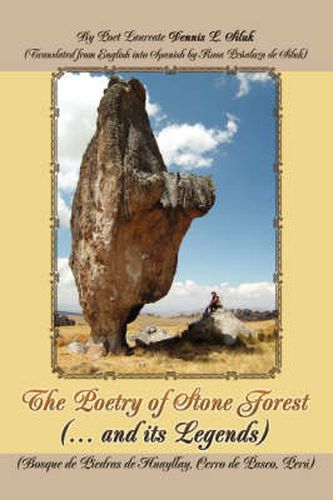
x,y
277,222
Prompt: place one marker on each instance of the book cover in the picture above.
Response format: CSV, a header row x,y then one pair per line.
x,y
166,250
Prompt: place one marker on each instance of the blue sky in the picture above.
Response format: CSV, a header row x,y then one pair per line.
x,y
209,124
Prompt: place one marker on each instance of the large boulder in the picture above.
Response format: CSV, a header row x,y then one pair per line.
x,y
219,326
129,216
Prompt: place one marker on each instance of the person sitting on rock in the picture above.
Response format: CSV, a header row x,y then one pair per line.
x,y
215,303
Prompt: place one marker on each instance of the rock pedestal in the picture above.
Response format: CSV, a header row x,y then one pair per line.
x,y
129,216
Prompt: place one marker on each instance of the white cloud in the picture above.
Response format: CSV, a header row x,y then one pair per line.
x,y
259,295
191,146
64,212
247,79
183,297
154,109
67,293
191,297
78,99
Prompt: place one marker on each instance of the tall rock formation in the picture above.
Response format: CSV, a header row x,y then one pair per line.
x,y
129,216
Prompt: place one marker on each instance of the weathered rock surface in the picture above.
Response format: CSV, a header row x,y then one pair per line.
x,y
151,335
219,326
129,216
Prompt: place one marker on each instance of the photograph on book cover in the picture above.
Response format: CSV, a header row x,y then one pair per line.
x,y
166,234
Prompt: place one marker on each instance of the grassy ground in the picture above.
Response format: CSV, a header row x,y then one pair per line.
x,y
186,359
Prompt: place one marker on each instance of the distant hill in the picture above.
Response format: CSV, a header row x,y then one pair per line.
x,y
250,315
69,313
242,314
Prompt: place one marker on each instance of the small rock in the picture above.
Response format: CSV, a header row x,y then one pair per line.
x,y
75,347
95,351
89,343
151,335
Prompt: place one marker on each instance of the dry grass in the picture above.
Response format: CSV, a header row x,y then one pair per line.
x,y
185,358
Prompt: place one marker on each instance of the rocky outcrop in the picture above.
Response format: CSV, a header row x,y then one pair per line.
x,y
62,320
250,315
129,216
219,326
